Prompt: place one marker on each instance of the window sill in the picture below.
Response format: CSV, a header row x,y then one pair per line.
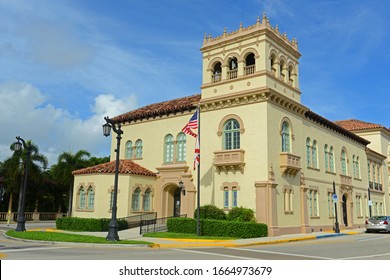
x,y
330,172
84,210
357,179
289,212
314,217
313,168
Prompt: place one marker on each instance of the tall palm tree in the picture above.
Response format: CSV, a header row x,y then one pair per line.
x,y
62,171
14,168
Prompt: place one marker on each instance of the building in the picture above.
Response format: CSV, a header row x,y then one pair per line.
x,y
260,147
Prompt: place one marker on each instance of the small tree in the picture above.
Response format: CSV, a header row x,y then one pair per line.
x,y
241,214
210,212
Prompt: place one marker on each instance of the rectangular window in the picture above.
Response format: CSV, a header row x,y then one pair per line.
x,y
359,209
313,203
330,205
288,200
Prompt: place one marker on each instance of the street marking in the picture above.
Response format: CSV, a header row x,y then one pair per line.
x,y
369,238
214,254
31,249
283,254
364,257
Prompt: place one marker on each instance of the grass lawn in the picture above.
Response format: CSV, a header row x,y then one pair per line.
x,y
67,237
184,236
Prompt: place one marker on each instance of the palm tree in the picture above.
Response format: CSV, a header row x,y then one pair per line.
x,y
14,167
62,171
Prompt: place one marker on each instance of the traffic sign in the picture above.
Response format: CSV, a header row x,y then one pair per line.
x,y
334,197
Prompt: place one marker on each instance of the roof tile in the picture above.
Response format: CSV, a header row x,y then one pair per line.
x,y
125,167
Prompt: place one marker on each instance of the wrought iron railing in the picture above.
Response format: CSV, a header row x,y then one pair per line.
x,y
155,225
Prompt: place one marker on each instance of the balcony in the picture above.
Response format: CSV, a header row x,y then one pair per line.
x,y
290,164
345,180
229,160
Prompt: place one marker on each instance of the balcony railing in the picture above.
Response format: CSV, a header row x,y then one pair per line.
x,y
370,185
216,77
345,180
232,74
249,70
229,160
290,164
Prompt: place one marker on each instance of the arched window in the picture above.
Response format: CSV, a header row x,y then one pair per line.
x,y
326,151
181,147
226,197
286,136
314,154
138,148
232,72
234,197
308,152
147,200
250,64
168,149
273,63
91,198
343,162
82,198
231,135
331,159
135,205
217,72
282,73
129,150
357,167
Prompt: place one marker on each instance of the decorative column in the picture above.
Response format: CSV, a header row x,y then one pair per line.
x,y
266,203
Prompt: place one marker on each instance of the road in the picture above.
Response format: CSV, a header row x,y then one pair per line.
x,y
351,247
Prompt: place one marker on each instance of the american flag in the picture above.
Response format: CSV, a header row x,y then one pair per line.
x,y
197,154
192,124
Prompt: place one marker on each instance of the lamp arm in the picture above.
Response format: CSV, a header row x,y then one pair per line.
x,y
113,125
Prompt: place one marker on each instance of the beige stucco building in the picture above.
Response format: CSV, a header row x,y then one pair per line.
x,y
260,147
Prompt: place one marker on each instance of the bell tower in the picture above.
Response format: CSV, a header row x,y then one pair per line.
x,y
254,59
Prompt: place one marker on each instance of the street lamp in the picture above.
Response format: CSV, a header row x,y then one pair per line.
x,y
336,228
182,187
21,226
113,225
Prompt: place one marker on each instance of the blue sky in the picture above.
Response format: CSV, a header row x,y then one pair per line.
x,y
64,65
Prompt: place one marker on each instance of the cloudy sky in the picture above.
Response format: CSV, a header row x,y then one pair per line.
x,y
64,65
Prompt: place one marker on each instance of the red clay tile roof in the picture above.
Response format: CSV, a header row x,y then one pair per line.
x,y
157,109
353,125
125,167
336,127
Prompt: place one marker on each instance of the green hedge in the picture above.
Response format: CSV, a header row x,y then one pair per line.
x,y
241,214
87,224
211,212
218,228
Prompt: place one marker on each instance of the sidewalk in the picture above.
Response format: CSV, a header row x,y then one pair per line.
x,y
133,234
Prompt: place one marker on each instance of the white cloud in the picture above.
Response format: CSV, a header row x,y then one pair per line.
x,y
23,112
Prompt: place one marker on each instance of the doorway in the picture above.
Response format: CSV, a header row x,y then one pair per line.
x,y
344,207
176,202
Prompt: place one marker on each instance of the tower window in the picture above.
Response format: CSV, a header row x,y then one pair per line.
x,y
232,73
250,64
217,72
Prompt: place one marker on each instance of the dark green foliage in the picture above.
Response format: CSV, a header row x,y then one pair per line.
x,y
241,214
211,212
87,224
218,228
182,225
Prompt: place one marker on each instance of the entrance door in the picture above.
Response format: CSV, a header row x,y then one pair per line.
x,y
345,215
176,202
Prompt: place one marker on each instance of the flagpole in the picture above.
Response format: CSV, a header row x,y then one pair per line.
x,y
198,188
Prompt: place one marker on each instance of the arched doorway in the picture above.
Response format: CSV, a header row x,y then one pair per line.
x,y
176,202
344,210
171,201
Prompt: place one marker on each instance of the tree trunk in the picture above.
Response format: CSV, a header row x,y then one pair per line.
x,y
9,207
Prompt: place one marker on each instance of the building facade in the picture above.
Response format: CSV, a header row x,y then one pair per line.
x,y
260,147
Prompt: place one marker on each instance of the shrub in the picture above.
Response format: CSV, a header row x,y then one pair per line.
x,y
218,228
211,212
181,225
87,224
241,214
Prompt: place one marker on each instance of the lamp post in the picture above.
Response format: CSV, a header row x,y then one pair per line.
x,y
21,226
336,228
113,225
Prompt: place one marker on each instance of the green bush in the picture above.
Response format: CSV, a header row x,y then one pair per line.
x,y
87,224
241,214
181,225
218,228
211,212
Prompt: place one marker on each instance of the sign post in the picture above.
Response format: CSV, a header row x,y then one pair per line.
x,y
334,196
